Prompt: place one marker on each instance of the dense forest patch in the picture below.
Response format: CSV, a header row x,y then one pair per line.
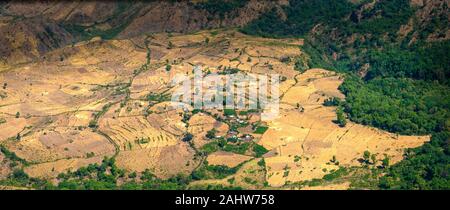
x,y
403,106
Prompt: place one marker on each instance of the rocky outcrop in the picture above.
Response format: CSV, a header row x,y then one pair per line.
x,y
33,28
27,40
187,17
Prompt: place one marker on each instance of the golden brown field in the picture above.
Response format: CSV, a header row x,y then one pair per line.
x,y
110,98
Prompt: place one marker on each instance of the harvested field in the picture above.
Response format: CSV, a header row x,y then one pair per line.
x,y
164,162
226,158
111,98
53,169
304,141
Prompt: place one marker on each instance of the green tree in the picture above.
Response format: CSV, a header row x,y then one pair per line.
x,y
340,120
333,159
20,175
366,157
187,137
211,133
373,157
385,162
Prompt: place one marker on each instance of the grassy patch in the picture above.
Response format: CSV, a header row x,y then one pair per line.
x,y
239,148
11,155
261,129
223,145
213,172
259,150
229,112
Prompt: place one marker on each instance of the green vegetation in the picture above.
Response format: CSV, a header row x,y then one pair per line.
x,y
301,63
239,148
336,174
219,7
375,32
332,102
403,106
168,67
86,33
229,112
213,172
402,87
223,145
259,150
262,163
385,162
302,15
385,99
426,167
187,137
158,97
212,146
359,178
178,182
170,45
261,129
214,187
211,133
393,82
90,154
425,61
340,120
102,176
394,14
105,175
366,157
229,70
11,155
93,123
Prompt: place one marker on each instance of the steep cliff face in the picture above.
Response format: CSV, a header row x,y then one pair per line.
x,y
432,16
187,17
78,12
27,40
425,20
33,28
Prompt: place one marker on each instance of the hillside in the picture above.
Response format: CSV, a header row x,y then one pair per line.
x,y
86,91
35,28
396,55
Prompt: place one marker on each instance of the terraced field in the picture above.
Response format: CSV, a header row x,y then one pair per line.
x,y
111,98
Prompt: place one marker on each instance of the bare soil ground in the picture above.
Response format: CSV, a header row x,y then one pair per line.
x,y
226,158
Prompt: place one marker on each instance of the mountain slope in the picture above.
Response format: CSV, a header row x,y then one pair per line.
x,y
84,65
41,26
